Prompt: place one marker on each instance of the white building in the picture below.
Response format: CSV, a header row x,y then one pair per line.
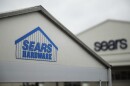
x,y
35,47
111,40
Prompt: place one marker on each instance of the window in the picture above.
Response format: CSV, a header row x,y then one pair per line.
x,y
72,84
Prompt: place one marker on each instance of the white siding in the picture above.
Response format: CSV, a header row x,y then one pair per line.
x,y
109,30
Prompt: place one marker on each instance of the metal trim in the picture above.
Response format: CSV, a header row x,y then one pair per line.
x,y
30,72
101,23
109,77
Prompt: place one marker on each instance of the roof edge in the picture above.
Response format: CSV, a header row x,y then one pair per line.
x,y
21,11
100,23
78,41
86,30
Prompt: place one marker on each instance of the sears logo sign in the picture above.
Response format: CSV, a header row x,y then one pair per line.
x,y
110,45
36,45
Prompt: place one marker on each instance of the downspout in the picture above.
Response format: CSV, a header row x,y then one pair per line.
x,y
100,83
109,77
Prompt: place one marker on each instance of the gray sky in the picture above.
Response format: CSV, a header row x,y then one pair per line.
x,y
76,15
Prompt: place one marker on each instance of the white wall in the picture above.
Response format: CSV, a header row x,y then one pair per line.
x,y
11,84
69,52
106,31
73,62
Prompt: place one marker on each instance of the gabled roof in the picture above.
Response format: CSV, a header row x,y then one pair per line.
x,y
101,23
33,31
60,26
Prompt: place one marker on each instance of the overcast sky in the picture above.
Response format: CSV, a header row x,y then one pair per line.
x,y
76,15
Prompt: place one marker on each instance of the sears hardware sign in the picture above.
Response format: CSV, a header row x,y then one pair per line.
x,y
36,45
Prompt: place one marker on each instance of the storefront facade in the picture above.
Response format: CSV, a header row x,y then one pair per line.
x,y
35,47
111,40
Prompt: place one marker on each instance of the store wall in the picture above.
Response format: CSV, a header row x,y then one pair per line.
x,y
69,53
111,40
11,84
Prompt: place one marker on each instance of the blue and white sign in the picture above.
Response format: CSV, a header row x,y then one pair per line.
x,y
36,45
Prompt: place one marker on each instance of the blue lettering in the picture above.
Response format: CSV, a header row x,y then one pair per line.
x,y
46,56
32,50
31,46
50,56
43,56
39,55
25,45
43,47
24,54
49,50
28,55
33,55
37,47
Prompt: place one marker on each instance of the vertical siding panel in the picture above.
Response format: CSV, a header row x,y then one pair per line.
x,y
45,40
56,54
29,40
38,40
42,39
37,37
18,50
33,37
46,43
27,50
21,49
53,53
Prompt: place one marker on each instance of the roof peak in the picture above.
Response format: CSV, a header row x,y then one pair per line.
x,y
32,32
102,22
